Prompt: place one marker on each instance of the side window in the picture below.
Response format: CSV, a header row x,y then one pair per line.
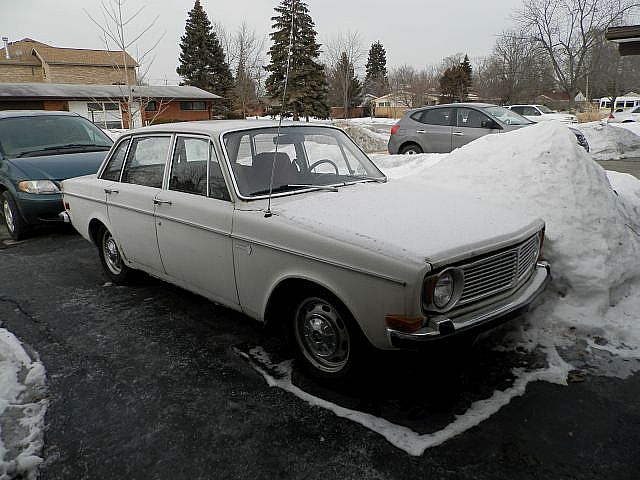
x,y
519,110
113,168
189,166
146,160
217,186
532,111
437,116
468,117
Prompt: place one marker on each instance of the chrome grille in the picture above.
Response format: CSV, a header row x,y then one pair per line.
x,y
500,272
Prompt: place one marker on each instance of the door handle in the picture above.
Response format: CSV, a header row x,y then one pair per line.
x,y
157,201
421,131
110,190
458,134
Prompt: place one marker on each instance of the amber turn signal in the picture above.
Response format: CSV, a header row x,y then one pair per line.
x,y
402,323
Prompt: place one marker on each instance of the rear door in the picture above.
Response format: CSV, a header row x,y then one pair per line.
x,y
193,221
470,125
434,129
131,203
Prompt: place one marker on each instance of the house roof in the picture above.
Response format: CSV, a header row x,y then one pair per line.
x,y
627,38
22,52
59,91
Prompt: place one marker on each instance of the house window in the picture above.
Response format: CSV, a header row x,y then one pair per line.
x,y
151,106
193,105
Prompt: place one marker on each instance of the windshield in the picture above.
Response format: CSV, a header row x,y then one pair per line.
x,y
49,134
545,109
307,157
507,116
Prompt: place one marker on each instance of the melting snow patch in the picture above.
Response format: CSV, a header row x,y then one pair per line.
x,y
22,409
279,375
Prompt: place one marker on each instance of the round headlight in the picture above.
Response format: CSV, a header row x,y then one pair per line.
x,y
443,290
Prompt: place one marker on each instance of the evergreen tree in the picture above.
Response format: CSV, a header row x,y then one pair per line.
x,y
202,60
456,81
307,84
346,89
377,81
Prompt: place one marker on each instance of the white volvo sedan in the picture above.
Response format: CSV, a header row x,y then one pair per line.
x,y
296,227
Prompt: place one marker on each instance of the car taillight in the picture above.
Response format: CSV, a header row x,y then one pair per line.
x,y
611,116
395,129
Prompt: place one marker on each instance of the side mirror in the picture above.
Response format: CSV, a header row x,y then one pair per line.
x,y
490,124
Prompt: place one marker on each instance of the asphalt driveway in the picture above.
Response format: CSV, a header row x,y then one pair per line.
x,y
145,383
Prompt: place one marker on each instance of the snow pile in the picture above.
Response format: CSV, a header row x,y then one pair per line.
x,y
368,139
22,409
592,235
631,126
608,142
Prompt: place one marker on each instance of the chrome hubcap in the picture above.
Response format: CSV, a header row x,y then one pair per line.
x,y
111,254
322,335
8,216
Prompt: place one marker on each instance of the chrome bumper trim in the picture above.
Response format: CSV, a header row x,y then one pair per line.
x,y
64,216
441,325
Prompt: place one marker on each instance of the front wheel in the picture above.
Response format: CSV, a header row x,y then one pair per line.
x,y
111,258
325,338
16,225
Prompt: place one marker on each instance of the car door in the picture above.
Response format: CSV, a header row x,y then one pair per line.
x,y
131,202
434,129
470,125
193,221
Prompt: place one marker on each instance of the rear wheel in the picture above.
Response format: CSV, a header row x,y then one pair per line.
x,y
325,337
410,149
111,258
16,225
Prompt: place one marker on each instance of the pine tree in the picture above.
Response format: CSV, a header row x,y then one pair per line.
x,y
346,89
306,93
202,60
456,81
376,81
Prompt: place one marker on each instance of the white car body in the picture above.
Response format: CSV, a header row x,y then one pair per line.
x,y
370,245
541,113
632,115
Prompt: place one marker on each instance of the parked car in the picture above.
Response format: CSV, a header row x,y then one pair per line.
x,y
627,116
542,113
300,229
38,150
443,128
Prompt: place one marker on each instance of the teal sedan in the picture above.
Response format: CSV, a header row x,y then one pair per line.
x,y
38,150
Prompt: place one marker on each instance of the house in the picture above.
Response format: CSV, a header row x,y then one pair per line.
x,y
392,105
627,38
30,61
107,105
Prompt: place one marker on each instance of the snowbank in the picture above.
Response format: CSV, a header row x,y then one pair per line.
x,y
22,409
369,139
612,141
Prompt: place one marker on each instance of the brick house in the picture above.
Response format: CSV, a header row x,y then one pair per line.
x,y
107,105
30,61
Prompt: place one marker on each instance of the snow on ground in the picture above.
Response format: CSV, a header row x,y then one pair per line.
x,y
589,316
611,141
631,126
22,409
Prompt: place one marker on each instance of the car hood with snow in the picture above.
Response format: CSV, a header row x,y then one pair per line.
x,y
410,221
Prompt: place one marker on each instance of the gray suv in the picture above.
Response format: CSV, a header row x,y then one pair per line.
x,y
442,128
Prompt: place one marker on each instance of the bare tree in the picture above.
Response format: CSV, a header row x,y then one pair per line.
x,y
246,58
115,28
344,56
568,29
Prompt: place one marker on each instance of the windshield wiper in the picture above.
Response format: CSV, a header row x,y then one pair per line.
x,y
69,146
284,188
373,179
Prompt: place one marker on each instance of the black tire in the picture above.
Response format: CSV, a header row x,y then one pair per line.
x,y
411,149
111,258
325,338
16,226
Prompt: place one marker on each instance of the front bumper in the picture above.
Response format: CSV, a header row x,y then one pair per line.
x,y
38,209
441,326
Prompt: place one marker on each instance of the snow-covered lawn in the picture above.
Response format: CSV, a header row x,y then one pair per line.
x,y
592,305
22,409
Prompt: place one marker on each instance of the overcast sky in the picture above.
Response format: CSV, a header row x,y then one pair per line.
x,y
413,32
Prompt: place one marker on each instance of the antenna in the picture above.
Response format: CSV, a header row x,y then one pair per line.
x,y
268,213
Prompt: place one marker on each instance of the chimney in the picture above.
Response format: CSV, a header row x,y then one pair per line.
x,y
5,40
